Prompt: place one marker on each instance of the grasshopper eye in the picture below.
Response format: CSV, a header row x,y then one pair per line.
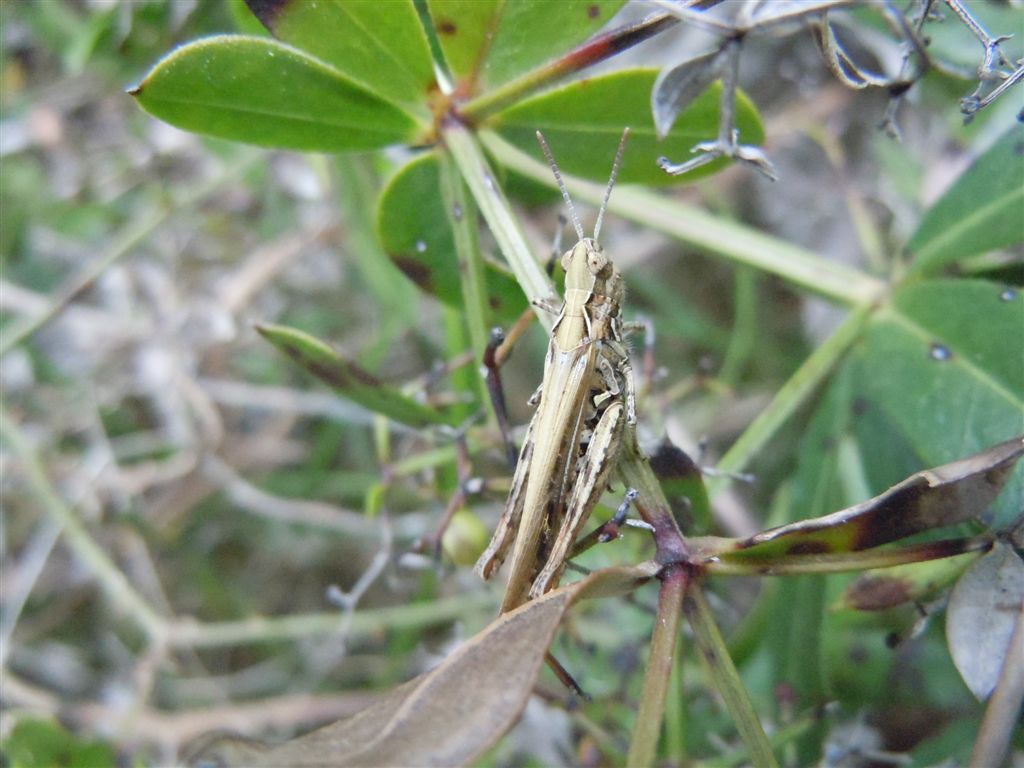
x,y
596,260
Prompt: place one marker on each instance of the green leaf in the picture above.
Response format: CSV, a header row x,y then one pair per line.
x,y
943,364
348,379
263,92
245,22
683,483
42,744
583,121
379,45
488,42
416,233
982,211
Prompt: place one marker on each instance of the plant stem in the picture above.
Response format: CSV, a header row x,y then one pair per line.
x,y
725,676
480,179
123,243
111,579
734,241
1003,710
591,52
461,212
745,329
362,623
643,745
794,393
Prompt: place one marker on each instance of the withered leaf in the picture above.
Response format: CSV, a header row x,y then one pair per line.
x,y
932,498
982,612
677,86
452,714
840,63
889,587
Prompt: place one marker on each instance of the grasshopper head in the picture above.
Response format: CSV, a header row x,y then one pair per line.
x,y
584,263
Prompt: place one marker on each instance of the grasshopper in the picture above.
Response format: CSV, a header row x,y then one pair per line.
x,y
584,402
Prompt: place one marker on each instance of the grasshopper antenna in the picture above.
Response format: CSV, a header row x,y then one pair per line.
x,y
611,181
561,185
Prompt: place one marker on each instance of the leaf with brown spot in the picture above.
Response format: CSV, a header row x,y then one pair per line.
x,y
933,498
348,379
416,232
454,713
487,43
889,587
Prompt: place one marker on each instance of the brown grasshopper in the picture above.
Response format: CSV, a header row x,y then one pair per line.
x,y
583,404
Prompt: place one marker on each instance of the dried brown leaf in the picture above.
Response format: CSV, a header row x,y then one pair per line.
x,y
932,498
452,714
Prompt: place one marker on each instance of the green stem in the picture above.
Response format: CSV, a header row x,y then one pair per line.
x,y
794,393
113,582
461,212
734,241
480,179
123,243
363,624
643,747
743,340
357,189
675,714
725,676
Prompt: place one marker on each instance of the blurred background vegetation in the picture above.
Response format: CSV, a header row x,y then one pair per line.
x,y
164,446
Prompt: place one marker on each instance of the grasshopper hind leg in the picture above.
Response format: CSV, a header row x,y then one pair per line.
x,y
595,467
505,533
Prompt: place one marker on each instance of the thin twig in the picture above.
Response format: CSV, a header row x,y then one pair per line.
x,y
123,243
19,581
112,580
302,511
1003,710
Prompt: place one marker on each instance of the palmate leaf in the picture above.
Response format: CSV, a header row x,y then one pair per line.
x,y
349,380
982,211
583,121
939,372
260,91
486,43
381,45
